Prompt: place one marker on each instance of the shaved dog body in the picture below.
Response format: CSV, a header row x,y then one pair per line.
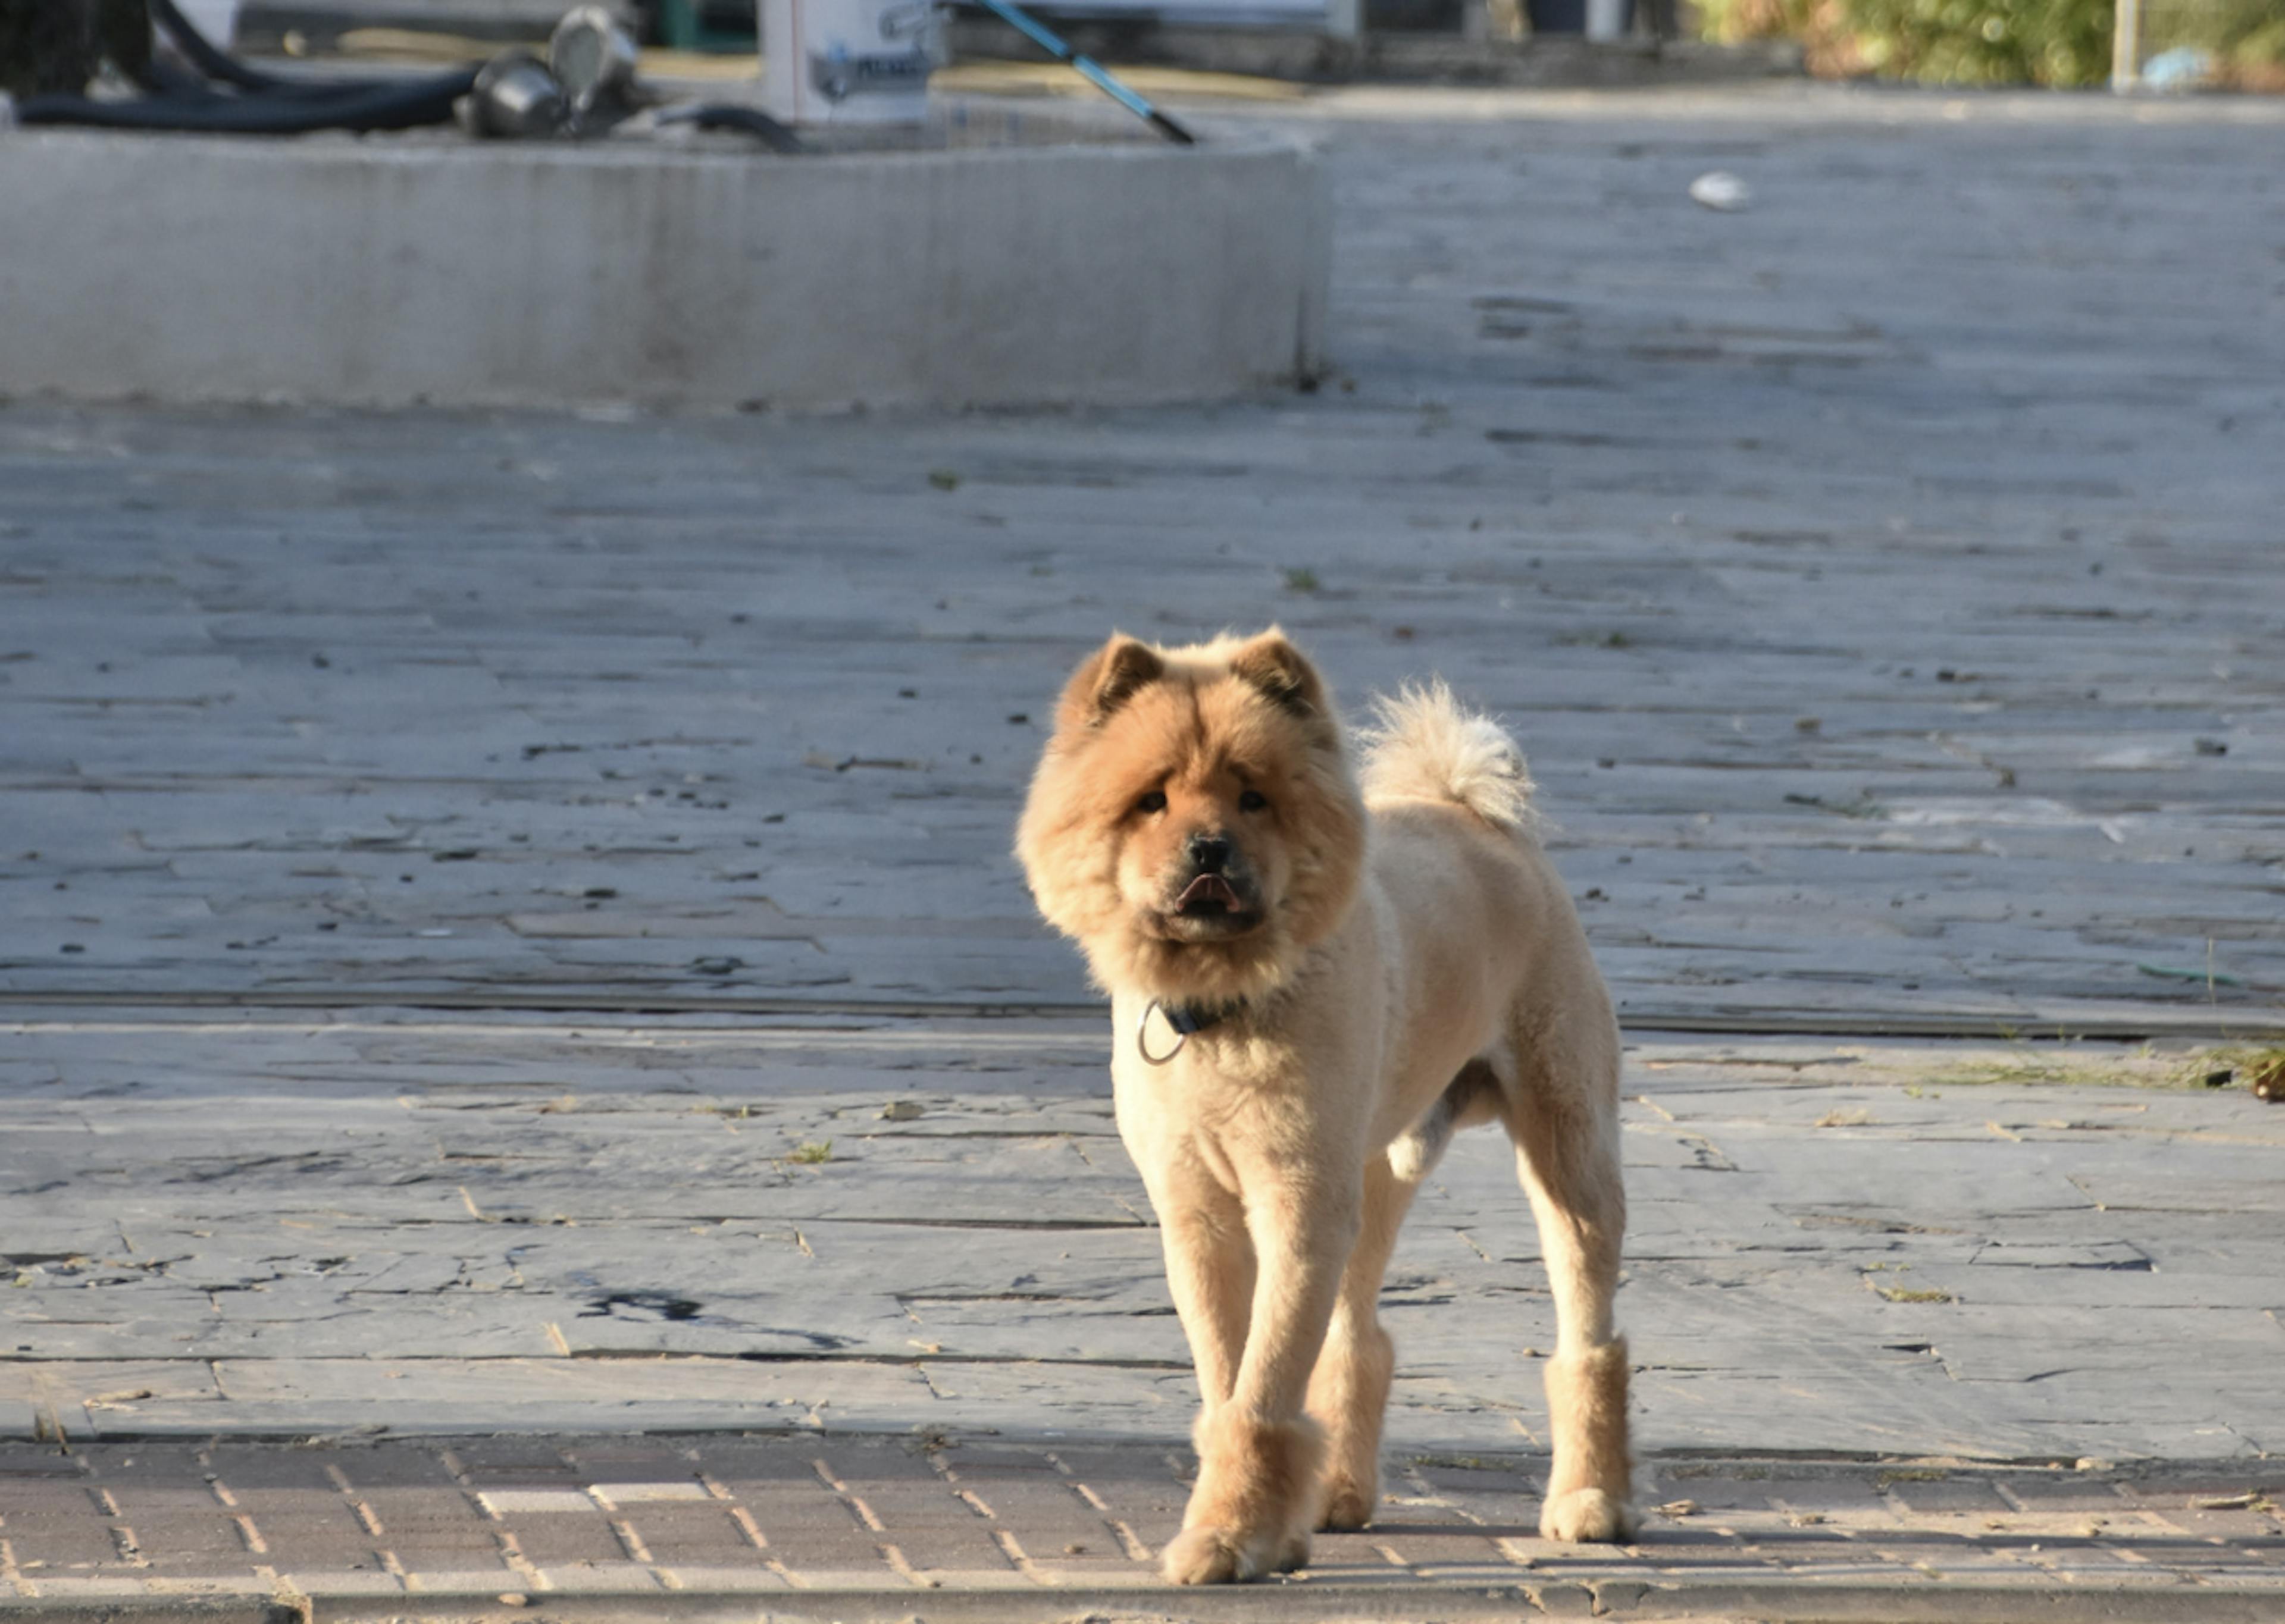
x,y
1387,958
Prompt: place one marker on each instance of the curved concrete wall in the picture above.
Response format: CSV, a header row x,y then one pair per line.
x,y
388,273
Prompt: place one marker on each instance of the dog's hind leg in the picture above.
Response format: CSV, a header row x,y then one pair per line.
x,y
1471,1097
1564,1117
1348,1390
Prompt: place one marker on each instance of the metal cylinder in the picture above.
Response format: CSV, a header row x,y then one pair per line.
x,y
593,57
515,97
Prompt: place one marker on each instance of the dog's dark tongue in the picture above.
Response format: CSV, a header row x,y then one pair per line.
x,y
1207,888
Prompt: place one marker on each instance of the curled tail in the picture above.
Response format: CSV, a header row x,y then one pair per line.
x,y
1426,746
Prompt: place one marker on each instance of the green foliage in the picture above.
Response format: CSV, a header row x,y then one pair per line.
x,y
2056,43
2246,37
1985,42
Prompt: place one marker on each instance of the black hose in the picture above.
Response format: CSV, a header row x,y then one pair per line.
x,y
267,105
734,115
160,77
409,106
204,55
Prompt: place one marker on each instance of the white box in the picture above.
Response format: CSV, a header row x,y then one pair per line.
x,y
847,61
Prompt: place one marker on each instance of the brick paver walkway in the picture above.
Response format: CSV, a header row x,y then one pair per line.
x,y
670,1525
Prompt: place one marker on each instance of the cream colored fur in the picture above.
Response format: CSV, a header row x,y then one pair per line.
x,y
1589,1388
1424,747
1283,1146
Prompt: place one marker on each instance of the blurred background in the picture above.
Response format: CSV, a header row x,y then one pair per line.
x,y
2237,45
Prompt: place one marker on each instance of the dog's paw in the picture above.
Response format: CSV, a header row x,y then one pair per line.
x,y
1587,1514
1217,1556
1205,1555
1349,1504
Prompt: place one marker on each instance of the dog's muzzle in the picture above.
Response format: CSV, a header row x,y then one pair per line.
x,y
1208,892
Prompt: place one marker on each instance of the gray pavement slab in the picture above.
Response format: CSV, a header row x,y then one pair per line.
x,y
1880,578
276,1226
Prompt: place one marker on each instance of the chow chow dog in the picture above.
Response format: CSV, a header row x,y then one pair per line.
x,y
1317,974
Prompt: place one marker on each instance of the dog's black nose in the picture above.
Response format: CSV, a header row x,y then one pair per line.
x,y
1209,853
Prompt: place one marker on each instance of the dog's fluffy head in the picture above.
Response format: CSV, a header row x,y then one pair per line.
x,y
1194,825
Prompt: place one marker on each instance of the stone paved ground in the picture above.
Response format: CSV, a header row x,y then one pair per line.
x,y
1882,579
453,1226
1904,1318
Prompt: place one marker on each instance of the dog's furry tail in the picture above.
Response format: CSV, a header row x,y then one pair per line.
x,y
1424,745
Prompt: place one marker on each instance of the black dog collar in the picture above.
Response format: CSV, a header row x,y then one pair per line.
x,y
1184,1019
1187,1018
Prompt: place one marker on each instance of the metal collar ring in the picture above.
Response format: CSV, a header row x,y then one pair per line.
x,y
1142,1037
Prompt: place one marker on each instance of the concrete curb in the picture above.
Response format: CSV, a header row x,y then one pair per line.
x,y
413,270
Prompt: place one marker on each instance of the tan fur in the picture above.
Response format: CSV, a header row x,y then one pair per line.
x,y
1395,964
1248,1514
1586,1396
1202,731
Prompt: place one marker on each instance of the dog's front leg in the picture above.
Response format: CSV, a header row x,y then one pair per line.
x,y
1258,1454
1210,1272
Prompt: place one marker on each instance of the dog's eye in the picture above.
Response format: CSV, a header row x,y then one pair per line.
x,y
1156,801
1252,800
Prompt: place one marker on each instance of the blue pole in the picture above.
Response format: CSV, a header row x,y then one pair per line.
x,y
1088,68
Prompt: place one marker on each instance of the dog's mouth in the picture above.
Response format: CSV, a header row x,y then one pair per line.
x,y
1207,896
1209,908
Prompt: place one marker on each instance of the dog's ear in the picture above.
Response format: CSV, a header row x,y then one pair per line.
x,y
1281,672
1107,679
